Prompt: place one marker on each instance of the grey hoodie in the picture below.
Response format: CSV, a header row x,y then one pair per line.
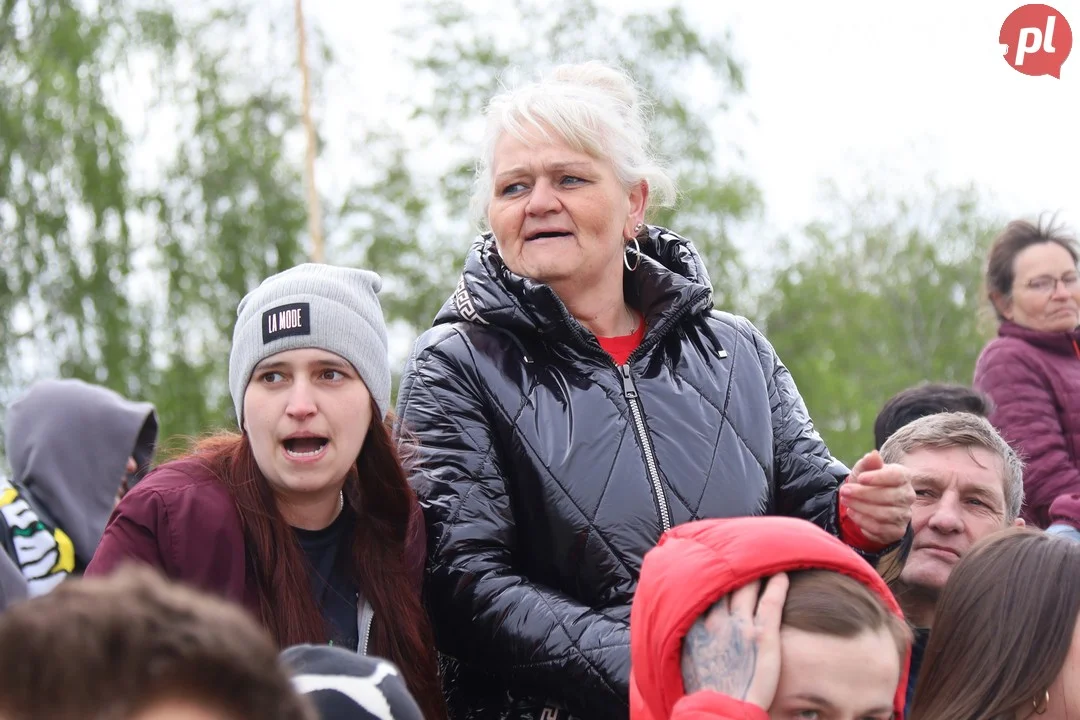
x,y
68,443
12,583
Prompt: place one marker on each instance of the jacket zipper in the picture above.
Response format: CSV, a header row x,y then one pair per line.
x,y
632,399
365,634
637,411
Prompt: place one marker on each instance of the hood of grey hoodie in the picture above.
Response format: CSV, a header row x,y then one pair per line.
x,y
68,443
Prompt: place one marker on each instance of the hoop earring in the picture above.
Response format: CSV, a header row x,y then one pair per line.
x,y
1045,703
637,250
638,228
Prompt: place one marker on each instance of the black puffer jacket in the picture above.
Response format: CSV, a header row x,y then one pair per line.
x,y
548,471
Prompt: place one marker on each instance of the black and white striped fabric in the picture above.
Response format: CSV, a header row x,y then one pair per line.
x,y
345,686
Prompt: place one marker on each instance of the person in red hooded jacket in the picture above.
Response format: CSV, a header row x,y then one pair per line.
x,y
764,618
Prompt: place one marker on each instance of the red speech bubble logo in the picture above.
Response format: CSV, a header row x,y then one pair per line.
x,y
1037,40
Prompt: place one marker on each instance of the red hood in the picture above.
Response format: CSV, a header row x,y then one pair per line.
x,y
696,564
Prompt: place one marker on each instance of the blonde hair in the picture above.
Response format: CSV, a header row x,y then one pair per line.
x,y
595,108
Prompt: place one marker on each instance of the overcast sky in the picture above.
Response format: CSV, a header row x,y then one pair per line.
x,y
839,89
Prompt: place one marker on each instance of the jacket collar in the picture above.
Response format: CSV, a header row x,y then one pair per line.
x,y
1059,343
670,282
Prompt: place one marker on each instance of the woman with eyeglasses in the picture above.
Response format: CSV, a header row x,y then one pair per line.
x,y
1031,370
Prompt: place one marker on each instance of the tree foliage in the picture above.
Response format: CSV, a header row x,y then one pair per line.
x,y
65,240
884,297
123,256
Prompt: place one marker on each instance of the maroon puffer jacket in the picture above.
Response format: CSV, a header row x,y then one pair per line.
x,y
1033,377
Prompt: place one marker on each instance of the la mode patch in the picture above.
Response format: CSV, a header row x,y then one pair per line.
x,y
286,320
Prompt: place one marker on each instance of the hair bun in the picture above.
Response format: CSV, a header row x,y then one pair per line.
x,y
612,81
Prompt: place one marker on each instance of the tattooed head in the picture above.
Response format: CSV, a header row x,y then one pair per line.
x,y
842,650
773,612
834,650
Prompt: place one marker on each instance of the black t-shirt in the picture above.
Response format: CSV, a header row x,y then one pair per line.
x,y
335,590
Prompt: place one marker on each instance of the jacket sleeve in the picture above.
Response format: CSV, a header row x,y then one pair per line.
x,y
1066,510
708,705
807,475
486,613
416,549
1024,412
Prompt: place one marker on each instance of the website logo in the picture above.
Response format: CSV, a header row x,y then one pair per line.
x,y
1037,40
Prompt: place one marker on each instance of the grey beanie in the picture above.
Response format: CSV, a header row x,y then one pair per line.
x,y
313,306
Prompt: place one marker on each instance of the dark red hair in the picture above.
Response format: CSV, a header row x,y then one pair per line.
x,y
377,489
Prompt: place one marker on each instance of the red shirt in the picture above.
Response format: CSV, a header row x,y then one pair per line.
x,y
620,348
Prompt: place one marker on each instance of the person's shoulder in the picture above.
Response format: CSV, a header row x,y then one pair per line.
x,y
441,337
187,480
731,327
1007,362
185,497
1006,349
738,323
461,342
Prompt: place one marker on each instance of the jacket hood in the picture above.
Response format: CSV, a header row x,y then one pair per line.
x,y
696,564
343,685
68,443
670,280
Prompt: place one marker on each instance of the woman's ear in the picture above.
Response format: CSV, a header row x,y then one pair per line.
x,y
1003,304
639,200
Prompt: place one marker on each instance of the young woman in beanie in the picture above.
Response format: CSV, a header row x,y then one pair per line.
x,y
306,516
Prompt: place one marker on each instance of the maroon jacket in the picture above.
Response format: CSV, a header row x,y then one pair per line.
x,y
1033,377
182,520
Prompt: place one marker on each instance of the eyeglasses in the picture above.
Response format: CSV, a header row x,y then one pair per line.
x,y
1047,285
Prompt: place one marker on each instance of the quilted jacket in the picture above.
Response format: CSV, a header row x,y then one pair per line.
x,y
547,472
1033,377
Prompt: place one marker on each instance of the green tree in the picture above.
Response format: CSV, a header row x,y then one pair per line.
x,y
65,240
415,228
123,253
885,298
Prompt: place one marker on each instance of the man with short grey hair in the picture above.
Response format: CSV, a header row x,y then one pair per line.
x,y
968,484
